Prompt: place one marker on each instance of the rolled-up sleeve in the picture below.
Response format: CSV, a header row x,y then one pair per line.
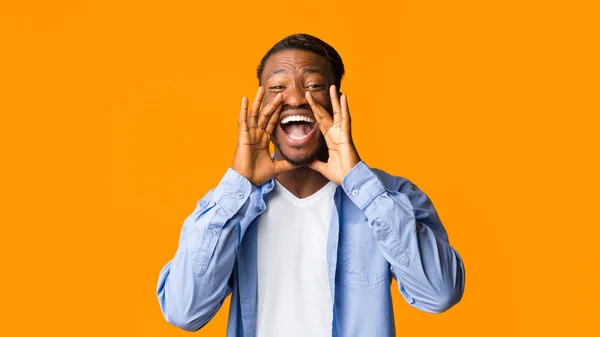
x,y
430,273
194,284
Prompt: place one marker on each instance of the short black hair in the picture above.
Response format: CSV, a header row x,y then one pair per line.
x,y
308,43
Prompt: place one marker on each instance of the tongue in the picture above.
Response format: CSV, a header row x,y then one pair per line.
x,y
298,129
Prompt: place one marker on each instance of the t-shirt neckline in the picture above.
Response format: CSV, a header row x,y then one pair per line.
x,y
307,200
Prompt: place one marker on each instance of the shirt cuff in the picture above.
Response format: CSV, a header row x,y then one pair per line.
x,y
233,191
362,185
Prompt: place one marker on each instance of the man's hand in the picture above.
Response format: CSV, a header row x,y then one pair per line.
x,y
252,159
342,153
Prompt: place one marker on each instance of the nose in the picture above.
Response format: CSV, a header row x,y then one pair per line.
x,y
294,96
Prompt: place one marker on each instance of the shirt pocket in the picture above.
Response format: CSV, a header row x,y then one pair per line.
x,y
361,260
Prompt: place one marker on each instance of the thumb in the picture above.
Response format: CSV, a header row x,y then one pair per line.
x,y
282,166
318,166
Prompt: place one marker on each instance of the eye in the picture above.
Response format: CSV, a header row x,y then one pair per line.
x,y
315,86
276,87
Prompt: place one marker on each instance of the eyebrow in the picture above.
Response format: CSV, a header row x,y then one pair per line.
x,y
314,71
306,70
276,71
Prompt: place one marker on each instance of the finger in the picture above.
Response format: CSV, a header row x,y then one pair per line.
x,y
335,103
321,115
252,121
345,112
318,166
242,125
282,166
265,113
242,120
273,120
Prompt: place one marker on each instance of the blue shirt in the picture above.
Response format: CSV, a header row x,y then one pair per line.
x,y
382,226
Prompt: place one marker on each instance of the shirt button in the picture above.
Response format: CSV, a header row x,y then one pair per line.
x,y
240,195
257,209
215,231
355,192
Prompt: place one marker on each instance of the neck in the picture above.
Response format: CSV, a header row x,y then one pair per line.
x,y
302,182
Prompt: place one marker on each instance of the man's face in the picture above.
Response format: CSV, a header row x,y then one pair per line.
x,y
297,137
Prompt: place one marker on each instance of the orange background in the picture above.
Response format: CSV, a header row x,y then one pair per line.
x,y
118,116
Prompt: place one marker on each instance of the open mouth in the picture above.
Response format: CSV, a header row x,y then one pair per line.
x,y
298,127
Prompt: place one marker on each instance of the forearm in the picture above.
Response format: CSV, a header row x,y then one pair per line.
x,y
194,284
429,271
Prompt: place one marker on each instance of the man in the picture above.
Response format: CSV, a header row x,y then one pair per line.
x,y
307,240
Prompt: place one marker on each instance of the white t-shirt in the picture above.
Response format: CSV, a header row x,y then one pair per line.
x,y
293,281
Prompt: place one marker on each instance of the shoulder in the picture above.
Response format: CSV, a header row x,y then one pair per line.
x,y
423,208
394,182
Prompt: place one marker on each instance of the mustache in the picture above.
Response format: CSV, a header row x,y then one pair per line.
x,y
298,107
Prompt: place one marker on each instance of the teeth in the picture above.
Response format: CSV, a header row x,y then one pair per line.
x,y
297,137
297,119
